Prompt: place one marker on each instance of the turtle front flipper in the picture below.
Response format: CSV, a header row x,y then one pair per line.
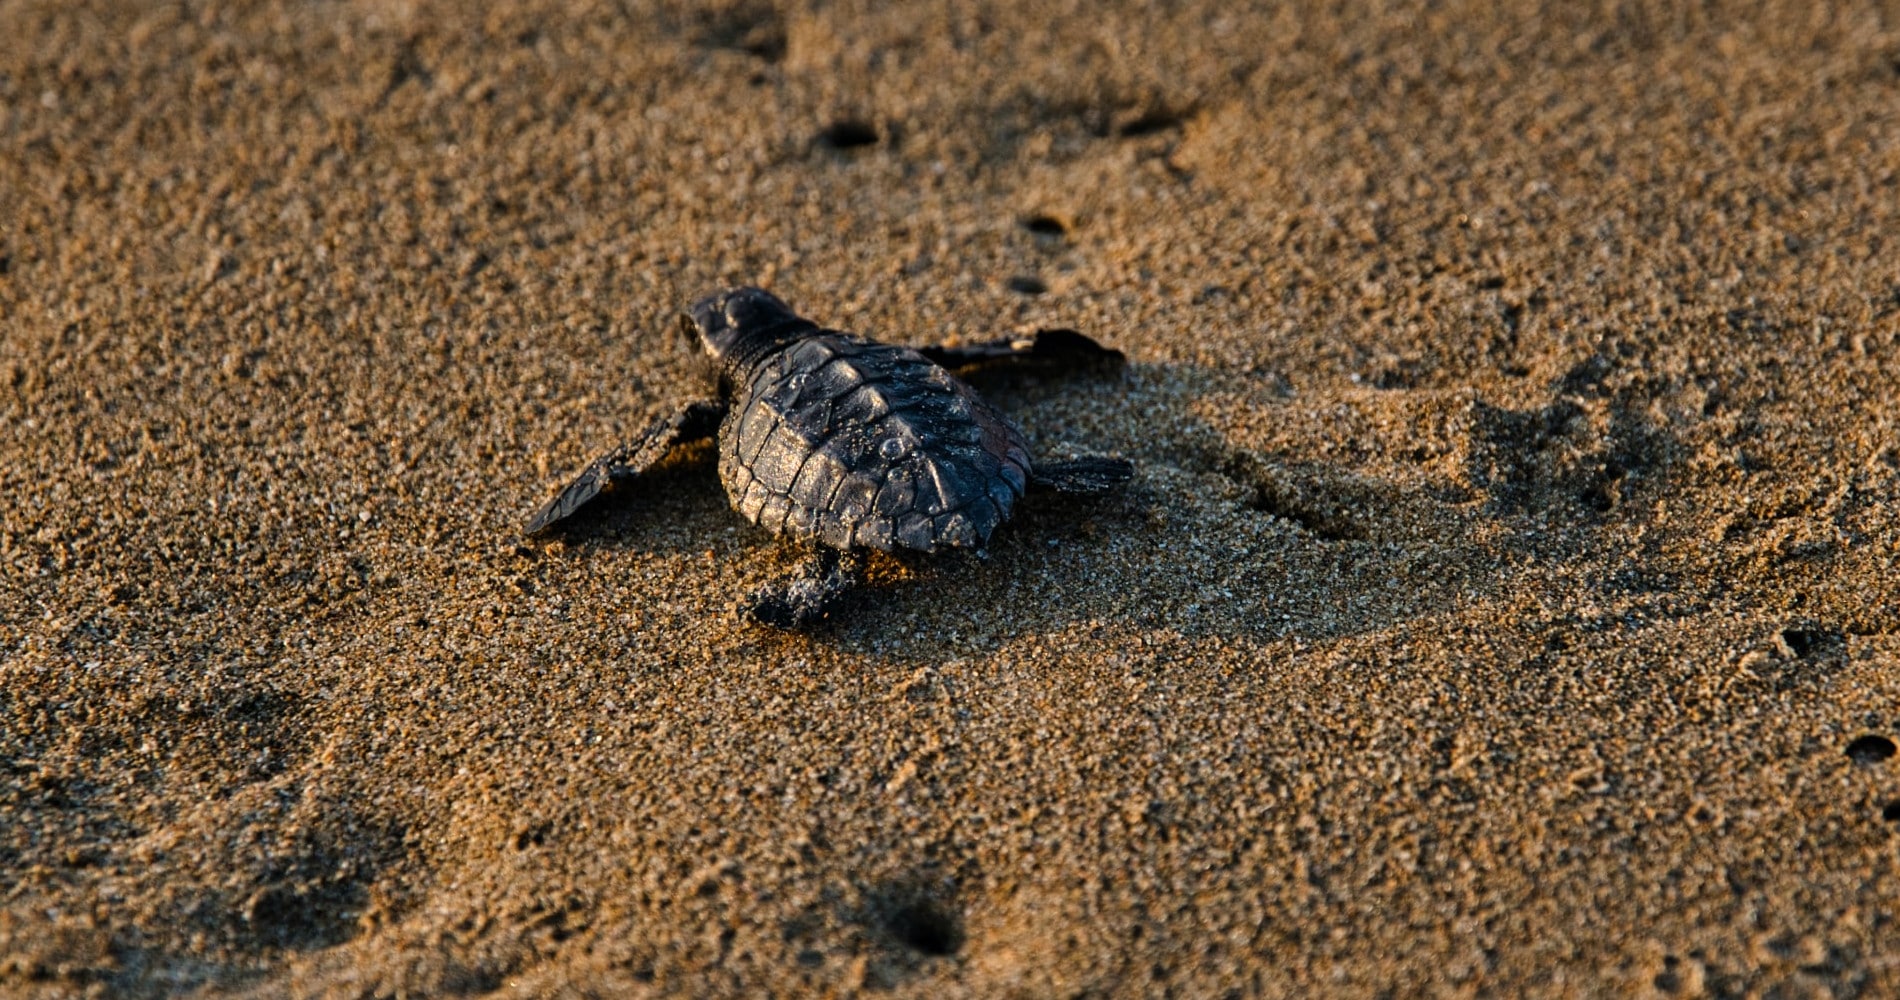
x,y
1051,348
694,422
1091,474
813,593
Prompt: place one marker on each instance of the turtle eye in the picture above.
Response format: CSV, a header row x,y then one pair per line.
x,y
737,307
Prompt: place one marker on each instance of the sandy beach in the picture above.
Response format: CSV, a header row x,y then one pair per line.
x,y
1505,605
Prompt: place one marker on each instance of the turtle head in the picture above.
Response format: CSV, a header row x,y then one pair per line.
x,y
724,321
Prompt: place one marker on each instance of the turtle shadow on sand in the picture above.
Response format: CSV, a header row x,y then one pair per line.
x,y
1128,556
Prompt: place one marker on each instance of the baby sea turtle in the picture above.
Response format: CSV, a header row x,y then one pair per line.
x,y
848,443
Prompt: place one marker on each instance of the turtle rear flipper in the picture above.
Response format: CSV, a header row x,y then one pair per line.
x,y
694,422
804,599
1091,474
1052,348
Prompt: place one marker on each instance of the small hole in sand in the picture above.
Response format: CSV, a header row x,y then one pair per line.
x,y
1801,641
848,134
927,927
1025,284
1600,497
1891,812
1870,749
1150,123
1045,225
532,836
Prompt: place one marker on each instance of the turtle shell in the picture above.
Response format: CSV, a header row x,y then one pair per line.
x,y
864,445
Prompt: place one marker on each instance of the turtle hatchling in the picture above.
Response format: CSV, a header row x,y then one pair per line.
x,y
849,444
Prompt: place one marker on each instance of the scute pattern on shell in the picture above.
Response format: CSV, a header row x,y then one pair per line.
x,y
865,445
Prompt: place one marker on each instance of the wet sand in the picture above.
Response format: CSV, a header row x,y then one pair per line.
x,y
1506,604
